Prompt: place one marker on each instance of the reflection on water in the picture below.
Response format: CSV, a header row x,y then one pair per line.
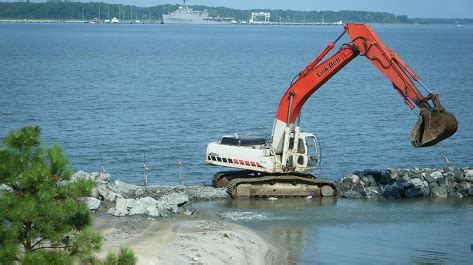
x,y
280,203
365,231
291,237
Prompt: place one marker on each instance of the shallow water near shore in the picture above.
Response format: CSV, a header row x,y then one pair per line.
x,y
328,231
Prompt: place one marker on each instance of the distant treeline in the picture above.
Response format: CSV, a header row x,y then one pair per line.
x,y
88,11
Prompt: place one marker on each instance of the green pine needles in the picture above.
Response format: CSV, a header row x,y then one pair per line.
x,y
42,218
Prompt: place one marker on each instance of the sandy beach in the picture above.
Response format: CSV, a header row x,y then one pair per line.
x,y
192,241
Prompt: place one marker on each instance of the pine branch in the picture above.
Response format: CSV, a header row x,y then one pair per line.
x,y
35,244
49,247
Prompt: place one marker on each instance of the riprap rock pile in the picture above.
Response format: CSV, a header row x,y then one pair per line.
x,y
132,199
408,183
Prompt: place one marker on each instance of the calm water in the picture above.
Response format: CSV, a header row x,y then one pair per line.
x,y
421,231
117,91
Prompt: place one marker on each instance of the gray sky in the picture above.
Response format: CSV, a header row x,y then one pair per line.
x,y
412,8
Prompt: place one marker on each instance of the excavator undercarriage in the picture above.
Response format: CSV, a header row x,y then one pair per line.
x,y
250,184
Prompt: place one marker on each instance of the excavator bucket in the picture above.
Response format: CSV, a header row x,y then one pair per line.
x,y
432,127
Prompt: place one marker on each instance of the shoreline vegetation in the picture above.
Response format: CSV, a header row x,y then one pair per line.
x,y
64,12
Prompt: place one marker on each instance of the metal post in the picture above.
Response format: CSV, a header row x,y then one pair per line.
x,y
102,168
145,171
181,164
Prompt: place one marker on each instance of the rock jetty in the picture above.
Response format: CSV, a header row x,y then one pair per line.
x,y
128,199
408,183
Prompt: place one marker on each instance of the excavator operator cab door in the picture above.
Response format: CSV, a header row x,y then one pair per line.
x,y
313,151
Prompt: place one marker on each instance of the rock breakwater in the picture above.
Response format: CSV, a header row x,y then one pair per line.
x,y
395,183
408,183
129,199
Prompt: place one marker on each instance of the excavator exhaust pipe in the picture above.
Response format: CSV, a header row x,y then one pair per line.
x,y
433,126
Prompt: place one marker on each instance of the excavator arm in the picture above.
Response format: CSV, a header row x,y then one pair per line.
x,y
435,123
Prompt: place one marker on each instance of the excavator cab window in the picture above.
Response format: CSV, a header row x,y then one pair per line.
x,y
291,143
301,146
313,151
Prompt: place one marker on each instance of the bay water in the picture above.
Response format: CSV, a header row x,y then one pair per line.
x,y
115,95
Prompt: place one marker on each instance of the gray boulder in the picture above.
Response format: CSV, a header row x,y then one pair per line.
x,y
428,177
161,206
112,196
103,178
417,183
455,174
82,175
92,203
368,181
95,193
175,198
145,205
391,191
380,176
111,211
172,208
5,188
436,175
373,191
123,206
106,194
438,191
425,191
148,201
455,195
137,207
469,175
464,188
354,178
152,211
411,192
400,185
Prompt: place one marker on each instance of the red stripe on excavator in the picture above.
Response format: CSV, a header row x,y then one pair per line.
x,y
236,161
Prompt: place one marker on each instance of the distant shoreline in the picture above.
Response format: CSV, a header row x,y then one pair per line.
x,y
77,11
73,21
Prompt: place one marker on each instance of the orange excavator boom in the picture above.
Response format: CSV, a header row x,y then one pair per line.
x,y
435,123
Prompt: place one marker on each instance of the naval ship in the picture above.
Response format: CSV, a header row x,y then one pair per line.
x,y
185,15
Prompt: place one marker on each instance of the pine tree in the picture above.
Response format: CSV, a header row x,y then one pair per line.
x,y
42,218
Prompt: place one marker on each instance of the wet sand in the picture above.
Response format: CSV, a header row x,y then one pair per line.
x,y
191,241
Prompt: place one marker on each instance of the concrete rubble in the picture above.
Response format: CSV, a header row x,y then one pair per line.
x,y
408,183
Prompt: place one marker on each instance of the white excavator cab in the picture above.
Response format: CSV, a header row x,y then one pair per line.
x,y
313,151
304,157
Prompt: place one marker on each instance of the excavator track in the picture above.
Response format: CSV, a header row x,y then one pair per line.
x,y
248,184
222,178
